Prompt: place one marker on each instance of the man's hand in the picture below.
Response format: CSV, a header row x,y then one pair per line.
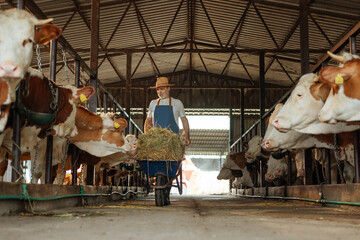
x,y
187,140
185,123
147,124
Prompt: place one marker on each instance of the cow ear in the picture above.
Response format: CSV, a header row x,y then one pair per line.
x,y
330,74
46,33
320,90
120,124
85,93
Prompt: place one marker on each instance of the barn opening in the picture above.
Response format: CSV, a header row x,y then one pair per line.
x,y
204,157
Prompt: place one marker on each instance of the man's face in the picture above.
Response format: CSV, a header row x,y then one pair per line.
x,y
163,92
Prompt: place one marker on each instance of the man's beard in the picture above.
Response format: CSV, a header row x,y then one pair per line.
x,y
163,96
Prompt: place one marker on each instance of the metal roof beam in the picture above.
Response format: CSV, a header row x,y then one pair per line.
x,y
338,46
207,50
212,25
312,9
85,7
82,15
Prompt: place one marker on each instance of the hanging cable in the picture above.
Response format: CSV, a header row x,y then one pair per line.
x,y
38,57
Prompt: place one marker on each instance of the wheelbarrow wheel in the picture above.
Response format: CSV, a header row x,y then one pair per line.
x,y
167,195
160,193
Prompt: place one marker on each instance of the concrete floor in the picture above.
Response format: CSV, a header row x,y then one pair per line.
x,y
188,217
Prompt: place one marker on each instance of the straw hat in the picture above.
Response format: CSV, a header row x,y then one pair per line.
x,y
162,82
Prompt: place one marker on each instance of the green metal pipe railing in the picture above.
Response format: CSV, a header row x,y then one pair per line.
x,y
321,200
25,196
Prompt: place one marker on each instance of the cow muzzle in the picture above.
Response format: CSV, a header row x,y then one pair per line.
x,y
9,70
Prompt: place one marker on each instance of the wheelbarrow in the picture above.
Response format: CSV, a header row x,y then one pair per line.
x,y
163,172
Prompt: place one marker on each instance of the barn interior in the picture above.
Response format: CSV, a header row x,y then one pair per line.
x,y
230,62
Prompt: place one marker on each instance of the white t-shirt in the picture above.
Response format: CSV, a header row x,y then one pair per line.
x,y
177,105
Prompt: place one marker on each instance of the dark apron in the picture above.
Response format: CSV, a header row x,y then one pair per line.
x,y
164,117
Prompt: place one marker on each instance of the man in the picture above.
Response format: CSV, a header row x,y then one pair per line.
x,y
165,111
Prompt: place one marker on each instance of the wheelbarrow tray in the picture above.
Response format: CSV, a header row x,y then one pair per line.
x,y
167,168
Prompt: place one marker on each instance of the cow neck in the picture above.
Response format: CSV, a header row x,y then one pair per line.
x,y
158,102
38,118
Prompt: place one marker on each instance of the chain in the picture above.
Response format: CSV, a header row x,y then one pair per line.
x,y
35,160
38,57
65,65
64,159
336,151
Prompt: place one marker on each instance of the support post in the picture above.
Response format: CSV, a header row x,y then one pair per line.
x,y
308,167
145,105
74,164
304,46
289,178
49,140
231,130
94,42
128,90
242,116
328,166
262,92
304,35
77,73
105,102
17,128
356,133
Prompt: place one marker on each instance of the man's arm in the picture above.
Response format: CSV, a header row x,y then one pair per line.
x,y
185,124
147,124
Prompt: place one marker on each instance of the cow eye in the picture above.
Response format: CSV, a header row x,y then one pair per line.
x,y
299,95
26,41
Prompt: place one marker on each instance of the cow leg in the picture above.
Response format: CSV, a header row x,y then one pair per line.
x,y
3,168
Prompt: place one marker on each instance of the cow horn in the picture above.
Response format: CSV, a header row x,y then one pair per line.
x,y
340,59
43,21
315,79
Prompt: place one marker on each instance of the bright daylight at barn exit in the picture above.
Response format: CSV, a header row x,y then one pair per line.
x,y
181,119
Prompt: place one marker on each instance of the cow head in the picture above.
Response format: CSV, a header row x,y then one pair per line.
x,y
254,149
66,127
343,102
275,140
230,164
17,37
302,107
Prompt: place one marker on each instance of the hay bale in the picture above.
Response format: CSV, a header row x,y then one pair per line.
x,y
159,144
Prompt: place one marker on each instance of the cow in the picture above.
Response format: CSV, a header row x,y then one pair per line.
x,y
233,161
275,140
300,112
38,119
254,150
236,168
100,136
343,102
18,36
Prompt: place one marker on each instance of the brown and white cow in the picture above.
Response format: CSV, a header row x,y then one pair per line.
x,y
292,140
254,149
235,168
343,102
35,103
300,112
17,37
233,162
100,135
